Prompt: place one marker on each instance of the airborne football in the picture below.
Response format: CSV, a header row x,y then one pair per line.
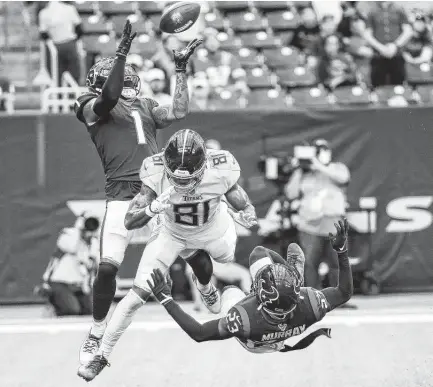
x,y
179,17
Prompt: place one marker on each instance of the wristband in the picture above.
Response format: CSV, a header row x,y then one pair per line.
x,y
149,212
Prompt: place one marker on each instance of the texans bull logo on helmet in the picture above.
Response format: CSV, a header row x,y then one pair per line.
x,y
268,297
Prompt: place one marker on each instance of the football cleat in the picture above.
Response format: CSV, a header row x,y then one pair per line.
x,y
89,371
89,348
212,299
185,160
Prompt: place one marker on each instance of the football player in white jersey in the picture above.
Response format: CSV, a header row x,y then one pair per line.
x,y
183,186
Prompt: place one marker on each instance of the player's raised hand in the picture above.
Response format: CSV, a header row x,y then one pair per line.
x,y
243,218
161,203
126,40
161,288
181,57
339,240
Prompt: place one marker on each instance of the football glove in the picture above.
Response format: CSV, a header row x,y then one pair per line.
x,y
126,40
160,204
339,240
160,286
181,57
243,218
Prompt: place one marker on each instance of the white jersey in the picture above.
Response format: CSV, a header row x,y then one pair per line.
x,y
195,214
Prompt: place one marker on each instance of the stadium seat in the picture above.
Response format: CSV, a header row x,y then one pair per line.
x,y
247,57
309,97
229,42
214,20
302,4
117,7
419,74
150,7
231,6
260,78
267,98
282,20
268,6
101,44
386,93
154,19
224,100
296,77
95,25
85,7
286,57
245,21
259,40
352,95
144,45
137,22
425,94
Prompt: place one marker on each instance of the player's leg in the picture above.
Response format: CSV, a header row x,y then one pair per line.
x,y
201,263
159,253
113,241
231,273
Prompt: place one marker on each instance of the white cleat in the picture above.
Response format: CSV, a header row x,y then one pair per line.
x,y
89,348
212,299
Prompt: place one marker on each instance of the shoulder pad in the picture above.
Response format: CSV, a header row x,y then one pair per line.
x,y
318,302
224,160
81,102
151,170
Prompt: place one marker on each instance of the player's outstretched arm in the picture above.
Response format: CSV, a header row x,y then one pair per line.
x,y
239,200
138,212
343,292
113,86
165,115
209,331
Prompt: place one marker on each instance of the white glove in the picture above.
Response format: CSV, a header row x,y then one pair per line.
x,y
243,218
160,204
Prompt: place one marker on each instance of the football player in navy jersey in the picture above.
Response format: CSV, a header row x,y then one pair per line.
x,y
278,307
123,130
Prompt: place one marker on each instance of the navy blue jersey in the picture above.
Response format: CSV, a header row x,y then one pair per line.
x,y
261,335
123,139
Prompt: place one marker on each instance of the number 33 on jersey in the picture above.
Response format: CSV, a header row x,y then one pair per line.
x,y
197,208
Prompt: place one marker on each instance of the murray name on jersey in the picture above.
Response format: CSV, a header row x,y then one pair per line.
x,y
201,207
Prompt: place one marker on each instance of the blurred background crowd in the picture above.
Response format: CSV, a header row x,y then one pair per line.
x,y
255,53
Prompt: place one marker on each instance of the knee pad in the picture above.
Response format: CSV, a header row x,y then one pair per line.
x,y
107,270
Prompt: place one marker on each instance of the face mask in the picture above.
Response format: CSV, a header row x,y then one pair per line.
x,y
325,156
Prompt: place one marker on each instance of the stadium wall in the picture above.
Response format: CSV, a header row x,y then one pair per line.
x,y
50,172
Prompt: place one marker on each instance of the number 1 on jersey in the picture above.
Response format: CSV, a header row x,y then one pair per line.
x,y
141,137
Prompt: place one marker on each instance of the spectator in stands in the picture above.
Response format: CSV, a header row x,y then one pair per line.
x,y
163,58
68,279
307,34
200,93
320,185
336,67
419,48
155,78
350,28
387,32
61,23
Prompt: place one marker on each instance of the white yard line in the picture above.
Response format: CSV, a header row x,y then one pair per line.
x,y
54,326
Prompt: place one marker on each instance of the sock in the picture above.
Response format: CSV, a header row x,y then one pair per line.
x,y
104,289
204,288
98,328
119,322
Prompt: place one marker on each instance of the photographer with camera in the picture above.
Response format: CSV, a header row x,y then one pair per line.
x,y
67,281
319,184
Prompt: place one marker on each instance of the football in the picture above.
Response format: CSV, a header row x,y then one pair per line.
x,y
179,17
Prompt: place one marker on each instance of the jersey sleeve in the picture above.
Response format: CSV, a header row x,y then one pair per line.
x,y
151,172
81,101
237,322
228,166
318,302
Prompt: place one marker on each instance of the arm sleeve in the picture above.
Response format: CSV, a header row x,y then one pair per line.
x,y
198,332
318,302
